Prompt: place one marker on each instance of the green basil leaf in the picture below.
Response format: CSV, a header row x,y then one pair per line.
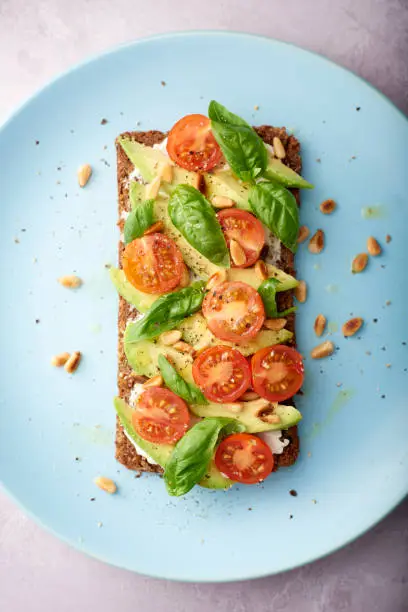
x,y
166,313
195,218
192,454
138,221
276,207
243,149
267,290
176,383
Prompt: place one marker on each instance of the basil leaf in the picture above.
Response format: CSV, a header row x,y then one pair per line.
x,y
192,455
195,219
166,313
267,290
243,149
138,221
276,207
176,383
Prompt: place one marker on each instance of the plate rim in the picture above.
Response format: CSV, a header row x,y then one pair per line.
x,y
13,114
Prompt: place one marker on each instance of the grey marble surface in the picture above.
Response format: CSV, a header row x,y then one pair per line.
x,y
40,38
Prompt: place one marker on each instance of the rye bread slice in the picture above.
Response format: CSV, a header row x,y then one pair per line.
x,y
125,451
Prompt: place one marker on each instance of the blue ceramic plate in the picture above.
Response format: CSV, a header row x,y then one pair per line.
x,y
57,432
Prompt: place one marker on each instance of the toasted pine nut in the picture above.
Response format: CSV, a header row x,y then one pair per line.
x,y
237,253
271,418
198,179
327,207
359,263
70,281
152,189
185,277
373,247
84,174
73,362
166,172
184,347
388,238
261,270
155,381
278,148
248,396
156,227
170,337
202,349
322,350
60,360
352,326
235,407
316,244
106,484
216,279
222,202
301,292
304,232
319,324
275,324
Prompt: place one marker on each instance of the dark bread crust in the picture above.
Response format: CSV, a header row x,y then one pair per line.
x,y
125,451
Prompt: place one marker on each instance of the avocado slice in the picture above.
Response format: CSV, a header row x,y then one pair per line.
x,y
248,415
248,275
161,452
224,183
277,171
196,332
142,301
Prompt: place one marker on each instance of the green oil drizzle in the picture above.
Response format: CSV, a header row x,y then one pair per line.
x,y
332,288
332,327
373,212
342,398
317,266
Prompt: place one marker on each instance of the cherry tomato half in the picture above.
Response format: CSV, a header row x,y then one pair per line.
x,y
277,372
153,263
160,416
245,458
245,229
191,144
234,311
222,373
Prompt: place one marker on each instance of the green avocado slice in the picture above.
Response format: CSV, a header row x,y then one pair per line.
x,y
142,301
277,171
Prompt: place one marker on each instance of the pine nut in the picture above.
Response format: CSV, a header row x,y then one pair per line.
x,y
388,239
166,172
271,418
70,281
359,263
73,362
156,227
319,324
152,189
185,277
59,360
327,207
373,247
301,292
106,484
155,381
237,253
278,148
275,324
184,347
84,174
222,202
352,326
316,244
249,396
216,279
304,232
261,270
170,337
322,350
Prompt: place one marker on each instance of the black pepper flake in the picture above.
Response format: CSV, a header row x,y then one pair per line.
x,y
293,493
375,320
383,397
77,459
37,142
318,160
403,343
358,108
291,516
163,83
383,348
92,499
104,121
37,321
250,509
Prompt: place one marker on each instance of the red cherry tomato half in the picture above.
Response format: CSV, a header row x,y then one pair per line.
x,y
222,373
160,416
153,264
234,311
245,229
277,372
191,144
244,458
